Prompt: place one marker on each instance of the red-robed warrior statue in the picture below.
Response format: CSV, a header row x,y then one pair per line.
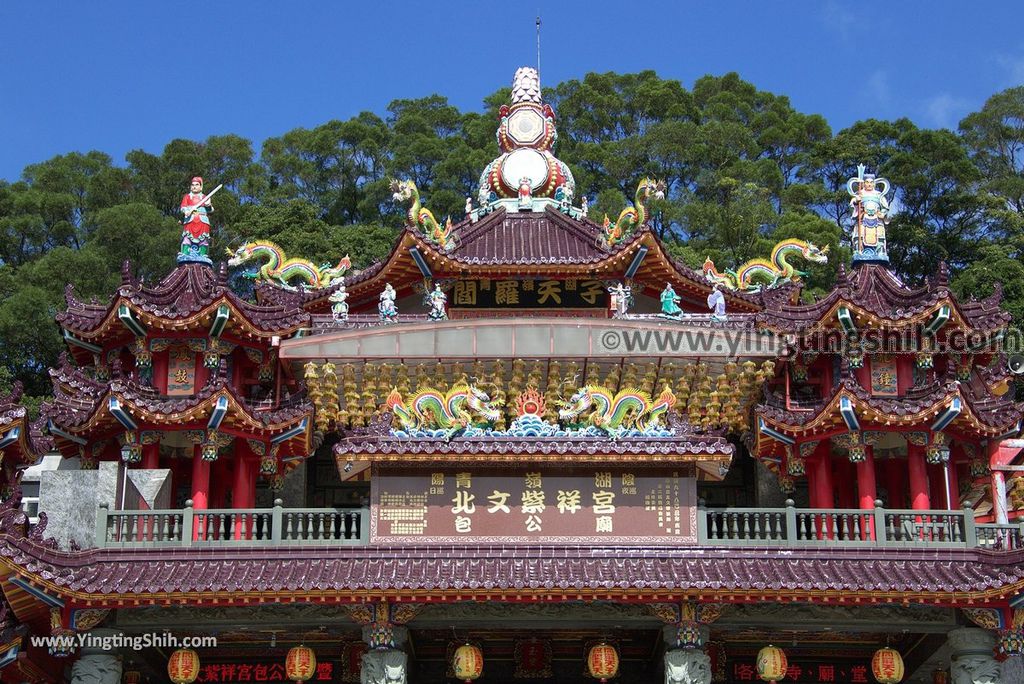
x,y
195,230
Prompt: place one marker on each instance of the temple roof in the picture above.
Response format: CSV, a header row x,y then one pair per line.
x,y
548,237
23,440
319,574
873,290
189,294
679,449
81,406
988,415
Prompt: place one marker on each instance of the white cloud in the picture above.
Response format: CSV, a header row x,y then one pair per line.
x,y
839,17
945,110
1014,66
877,87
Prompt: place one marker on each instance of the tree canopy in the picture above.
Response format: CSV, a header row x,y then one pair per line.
x,y
743,169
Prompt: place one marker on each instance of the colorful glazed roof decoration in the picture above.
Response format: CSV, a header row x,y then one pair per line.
x,y
870,212
282,271
770,273
526,135
420,218
21,443
633,218
191,297
87,411
871,296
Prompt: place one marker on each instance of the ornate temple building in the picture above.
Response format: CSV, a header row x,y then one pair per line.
x,y
525,446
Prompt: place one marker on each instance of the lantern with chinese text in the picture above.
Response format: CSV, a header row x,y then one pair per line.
x,y
300,663
603,662
468,663
771,663
887,666
183,666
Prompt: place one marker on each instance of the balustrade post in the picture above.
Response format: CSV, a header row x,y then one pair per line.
x,y
364,525
878,533
101,525
187,524
791,530
970,526
276,521
702,522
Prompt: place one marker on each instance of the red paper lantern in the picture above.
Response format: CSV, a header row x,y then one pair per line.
x,y
771,663
300,663
468,663
887,666
183,666
603,662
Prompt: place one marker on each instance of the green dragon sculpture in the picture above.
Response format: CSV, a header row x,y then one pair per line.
x,y
772,272
429,409
283,271
633,217
421,217
628,409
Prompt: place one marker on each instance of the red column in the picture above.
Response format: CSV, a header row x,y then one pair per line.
x,y
244,490
822,494
200,488
999,506
150,456
919,499
867,490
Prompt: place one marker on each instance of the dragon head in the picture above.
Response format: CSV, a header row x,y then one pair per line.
x,y
579,402
480,402
650,187
240,255
815,254
403,190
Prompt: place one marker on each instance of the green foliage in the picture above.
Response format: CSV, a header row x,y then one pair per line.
x,y
743,170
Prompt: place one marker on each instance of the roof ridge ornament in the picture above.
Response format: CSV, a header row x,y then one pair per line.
x,y
526,136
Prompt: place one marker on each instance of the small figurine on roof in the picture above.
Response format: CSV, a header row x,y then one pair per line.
x,y
584,207
438,302
716,302
387,308
525,193
670,302
621,297
339,305
195,229
469,206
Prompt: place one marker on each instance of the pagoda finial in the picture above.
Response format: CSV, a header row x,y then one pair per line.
x,y
942,275
842,276
17,391
126,272
526,86
222,274
117,370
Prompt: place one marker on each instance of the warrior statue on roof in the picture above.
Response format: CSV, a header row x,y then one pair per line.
x,y
870,211
437,300
195,230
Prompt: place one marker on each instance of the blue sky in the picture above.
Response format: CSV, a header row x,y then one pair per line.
x,y
139,74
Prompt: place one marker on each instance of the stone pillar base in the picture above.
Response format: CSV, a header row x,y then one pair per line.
x,y
384,667
973,661
687,666
96,668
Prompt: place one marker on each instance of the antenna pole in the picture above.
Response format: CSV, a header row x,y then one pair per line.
x,y
538,44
